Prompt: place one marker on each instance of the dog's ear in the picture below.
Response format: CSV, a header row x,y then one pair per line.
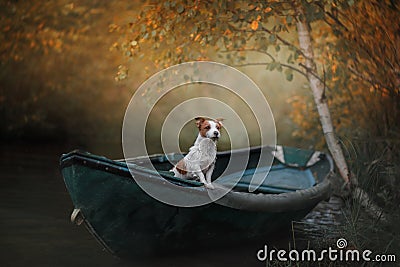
x,y
219,121
199,121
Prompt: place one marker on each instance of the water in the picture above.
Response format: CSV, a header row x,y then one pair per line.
x,y
35,229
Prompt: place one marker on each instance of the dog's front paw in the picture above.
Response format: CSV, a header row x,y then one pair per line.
x,y
209,186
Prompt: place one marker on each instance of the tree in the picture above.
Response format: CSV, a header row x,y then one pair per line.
x,y
359,48
186,30
318,89
363,78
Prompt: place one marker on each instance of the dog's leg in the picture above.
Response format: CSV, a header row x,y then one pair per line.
x,y
201,177
203,180
209,173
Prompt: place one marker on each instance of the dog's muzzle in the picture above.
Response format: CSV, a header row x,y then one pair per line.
x,y
216,136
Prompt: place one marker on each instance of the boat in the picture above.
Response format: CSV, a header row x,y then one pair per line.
x,y
128,222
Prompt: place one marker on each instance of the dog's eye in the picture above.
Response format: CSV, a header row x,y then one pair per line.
x,y
207,127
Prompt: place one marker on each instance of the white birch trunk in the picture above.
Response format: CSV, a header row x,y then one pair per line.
x,y
317,88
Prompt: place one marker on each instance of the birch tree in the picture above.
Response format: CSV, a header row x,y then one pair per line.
x,y
170,32
318,90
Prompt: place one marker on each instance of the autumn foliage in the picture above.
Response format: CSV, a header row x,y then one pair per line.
x,y
358,49
57,74
356,45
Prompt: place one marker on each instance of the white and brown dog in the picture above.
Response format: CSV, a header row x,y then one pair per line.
x,y
199,163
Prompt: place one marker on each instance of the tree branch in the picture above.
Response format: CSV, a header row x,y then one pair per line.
x,y
264,29
377,85
266,63
314,74
284,41
330,15
250,50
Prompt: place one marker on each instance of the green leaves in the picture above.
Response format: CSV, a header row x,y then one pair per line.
x,y
289,19
190,30
235,18
180,9
289,74
274,65
272,38
350,2
279,67
313,12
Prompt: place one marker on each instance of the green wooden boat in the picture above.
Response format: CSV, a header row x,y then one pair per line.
x,y
130,223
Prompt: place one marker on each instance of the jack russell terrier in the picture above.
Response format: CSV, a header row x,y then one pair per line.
x,y
199,163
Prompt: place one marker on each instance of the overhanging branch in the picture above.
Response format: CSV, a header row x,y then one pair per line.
x,y
266,63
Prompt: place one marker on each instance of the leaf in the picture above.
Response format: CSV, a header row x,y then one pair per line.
x,y
290,59
289,75
272,66
254,25
272,38
289,19
268,9
279,67
296,55
235,18
180,9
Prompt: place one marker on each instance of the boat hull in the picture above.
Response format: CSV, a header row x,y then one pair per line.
x,y
130,223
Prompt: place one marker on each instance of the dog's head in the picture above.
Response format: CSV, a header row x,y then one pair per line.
x,y
209,128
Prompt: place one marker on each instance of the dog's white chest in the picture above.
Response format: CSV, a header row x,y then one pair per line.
x,y
202,155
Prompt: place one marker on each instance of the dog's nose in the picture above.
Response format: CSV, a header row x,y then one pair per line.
x,y
216,133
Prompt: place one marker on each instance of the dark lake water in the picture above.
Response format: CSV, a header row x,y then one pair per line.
x,y
35,229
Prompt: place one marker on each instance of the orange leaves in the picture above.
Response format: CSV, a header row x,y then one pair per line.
x,y
305,118
122,73
255,24
32,44
267,10
227,32
335,76
40,26
197,38
113,27
178,50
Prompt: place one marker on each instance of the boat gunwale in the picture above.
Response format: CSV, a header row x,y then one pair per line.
x,y
127,169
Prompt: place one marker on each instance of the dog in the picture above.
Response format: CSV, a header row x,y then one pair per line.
x,y
199,163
